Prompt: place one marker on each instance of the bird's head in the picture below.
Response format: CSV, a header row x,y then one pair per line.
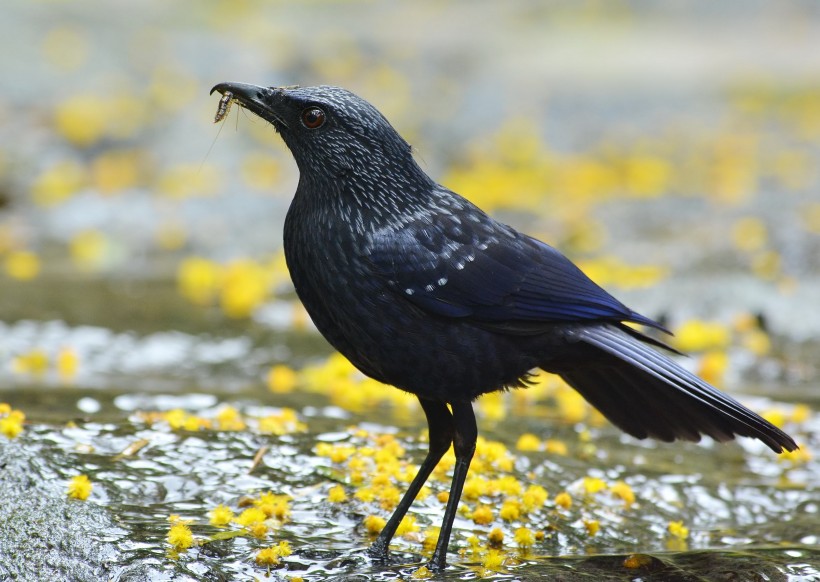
x,y
330,131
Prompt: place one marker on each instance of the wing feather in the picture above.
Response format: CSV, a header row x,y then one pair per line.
x,y
488,273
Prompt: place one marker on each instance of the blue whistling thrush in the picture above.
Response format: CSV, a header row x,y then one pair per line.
x,y
421,289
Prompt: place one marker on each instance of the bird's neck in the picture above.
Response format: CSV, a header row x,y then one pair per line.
x,y
368,199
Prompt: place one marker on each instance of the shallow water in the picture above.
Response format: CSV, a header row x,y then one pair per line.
x,y
749,515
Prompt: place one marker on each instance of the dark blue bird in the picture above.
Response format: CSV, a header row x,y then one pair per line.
x,y
420,289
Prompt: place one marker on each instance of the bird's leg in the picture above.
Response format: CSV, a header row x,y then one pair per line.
x,y
441,430
464,440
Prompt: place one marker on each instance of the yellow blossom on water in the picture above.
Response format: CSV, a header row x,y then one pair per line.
x,y
496,537
228,418
272,505
221,516
268,556
475,542
408,525
198,280
175,418
528,442
647,176
493,560
340,453
678,530
374,524
10,426
281,379
483,515
508,485
564,500
443,496
284,422
245,286
534,498
510,510
776,416
88,249
592,526
524,537
593,485
34,362
555,447
22,265
366,494
180,536
115,170
474,488
757,341
251,516
422,573
389,497
493,406
82,119
800,414
381,479
67,363
284,549
713,366
258,530
697,336
336,494
624,491
80,487
796,457
430,538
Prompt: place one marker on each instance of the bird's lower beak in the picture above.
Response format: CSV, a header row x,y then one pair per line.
x,y
254,98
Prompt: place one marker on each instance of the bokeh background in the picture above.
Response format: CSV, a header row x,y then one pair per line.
x,y
151,341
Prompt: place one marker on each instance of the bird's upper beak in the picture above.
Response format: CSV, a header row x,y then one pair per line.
x,y
256,99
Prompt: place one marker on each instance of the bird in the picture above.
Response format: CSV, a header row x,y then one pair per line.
x,y
422,290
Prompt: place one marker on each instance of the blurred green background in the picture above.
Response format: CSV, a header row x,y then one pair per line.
x,y
150,338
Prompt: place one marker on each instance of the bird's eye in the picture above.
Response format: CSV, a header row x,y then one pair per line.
x,y
313,118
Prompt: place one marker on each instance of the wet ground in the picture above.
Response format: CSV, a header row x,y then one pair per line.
x,y
150,339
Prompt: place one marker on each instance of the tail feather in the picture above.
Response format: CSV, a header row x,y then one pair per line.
x,y
646,394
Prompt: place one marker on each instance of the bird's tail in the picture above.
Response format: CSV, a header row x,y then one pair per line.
x,y
646,394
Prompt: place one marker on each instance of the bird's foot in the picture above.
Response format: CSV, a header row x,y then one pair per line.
x,y
438,563
379,551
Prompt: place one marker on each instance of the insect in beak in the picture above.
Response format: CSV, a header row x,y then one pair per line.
x,y
224,106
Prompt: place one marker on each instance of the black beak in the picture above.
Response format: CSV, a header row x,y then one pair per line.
x,y
254,98
239,90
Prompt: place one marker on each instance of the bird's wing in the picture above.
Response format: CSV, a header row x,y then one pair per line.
x,y
470,266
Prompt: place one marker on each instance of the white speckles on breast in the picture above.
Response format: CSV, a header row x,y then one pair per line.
x,y
409,291
442,282
430,288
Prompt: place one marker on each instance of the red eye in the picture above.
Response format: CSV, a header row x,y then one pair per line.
x,y
313,118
